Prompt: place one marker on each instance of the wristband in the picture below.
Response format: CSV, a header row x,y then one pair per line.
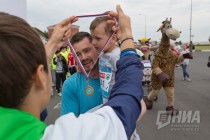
x,y
129,37
128,49
128,52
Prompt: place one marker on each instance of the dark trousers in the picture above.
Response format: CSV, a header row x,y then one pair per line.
x,y
60,77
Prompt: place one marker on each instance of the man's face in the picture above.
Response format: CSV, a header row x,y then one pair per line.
x,y
86,52
100,37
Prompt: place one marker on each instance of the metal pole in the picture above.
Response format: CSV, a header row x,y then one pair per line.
x,y
191,21
145,25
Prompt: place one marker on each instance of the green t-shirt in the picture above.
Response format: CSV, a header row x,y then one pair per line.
x,y
16,124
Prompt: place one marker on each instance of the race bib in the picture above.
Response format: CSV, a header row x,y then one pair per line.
x,y
105,73
147,70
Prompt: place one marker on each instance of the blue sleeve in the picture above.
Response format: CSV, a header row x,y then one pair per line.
x,y
69,100
127,92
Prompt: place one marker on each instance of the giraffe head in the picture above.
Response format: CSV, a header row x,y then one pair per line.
x,y
166,28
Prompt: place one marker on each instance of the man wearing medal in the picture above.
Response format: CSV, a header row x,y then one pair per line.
x,y
80,94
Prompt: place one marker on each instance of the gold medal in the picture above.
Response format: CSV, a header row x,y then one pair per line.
x,y
89,90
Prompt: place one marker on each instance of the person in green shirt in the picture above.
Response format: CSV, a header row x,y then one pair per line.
x,y
25,93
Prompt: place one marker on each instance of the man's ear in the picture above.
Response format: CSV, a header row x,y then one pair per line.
x,y
40,77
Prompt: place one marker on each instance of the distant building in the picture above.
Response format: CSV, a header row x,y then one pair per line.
x,y
74,29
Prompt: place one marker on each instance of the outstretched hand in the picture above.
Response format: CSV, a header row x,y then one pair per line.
x,y
123,29
59,36
62,30
124,24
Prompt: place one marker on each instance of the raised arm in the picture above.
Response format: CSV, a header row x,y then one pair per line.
x,y
60,34
127,91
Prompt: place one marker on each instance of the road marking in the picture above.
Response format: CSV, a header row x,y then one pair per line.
x,y
58,106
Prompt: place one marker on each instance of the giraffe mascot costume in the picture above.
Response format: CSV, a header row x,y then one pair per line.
x,y
163,68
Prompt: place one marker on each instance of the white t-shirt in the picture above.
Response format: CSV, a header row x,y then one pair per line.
x,y
107,70
102,124
186,60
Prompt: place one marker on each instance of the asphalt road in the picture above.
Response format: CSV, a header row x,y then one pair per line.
x,y
192,99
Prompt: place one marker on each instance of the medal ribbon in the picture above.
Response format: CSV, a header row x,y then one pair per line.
x,y
77,58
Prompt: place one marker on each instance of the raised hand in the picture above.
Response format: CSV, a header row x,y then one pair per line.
x,y
124,27
59,36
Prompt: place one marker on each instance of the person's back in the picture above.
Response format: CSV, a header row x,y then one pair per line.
x,y
20,108
20,125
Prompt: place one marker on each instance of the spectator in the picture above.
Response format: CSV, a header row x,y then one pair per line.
x,y
61,70
71,63
184,64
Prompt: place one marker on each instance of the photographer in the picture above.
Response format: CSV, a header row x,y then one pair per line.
x,y
61,70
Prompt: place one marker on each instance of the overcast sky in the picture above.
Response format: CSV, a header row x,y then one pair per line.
x,y
42,13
